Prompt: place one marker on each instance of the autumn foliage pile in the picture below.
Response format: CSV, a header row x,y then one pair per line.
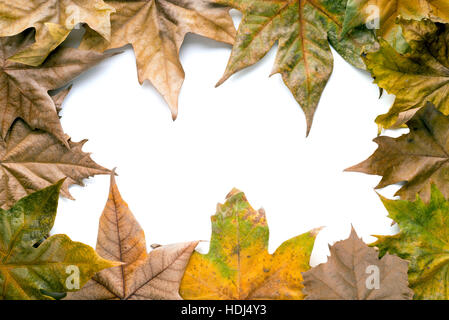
x,y
405,47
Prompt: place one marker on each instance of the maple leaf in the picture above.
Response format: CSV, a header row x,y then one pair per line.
x,y
303,29
238,265
361,12
32,159
53,20
27,271
423,240
155,275
416,77
347,275
24,89
59,97
419,158
156,30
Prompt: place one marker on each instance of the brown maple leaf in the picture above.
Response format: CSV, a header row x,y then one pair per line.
x,y
52,20
355,272
420,158
59,97
24,89
31,160
156,30
155,275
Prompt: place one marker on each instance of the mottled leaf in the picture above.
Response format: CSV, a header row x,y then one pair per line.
x,y
303,29
423,240
32,159
385,13
417,77
27,272
419,158
24,89
154,275
238,265
156,30
355,272
53,20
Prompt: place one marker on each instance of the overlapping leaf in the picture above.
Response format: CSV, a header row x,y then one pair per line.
x,y
32,159
355,272
143,276
420,158
27,272
156,30
24,89
238,265
53,20
303,29
385,12
423,240
417,77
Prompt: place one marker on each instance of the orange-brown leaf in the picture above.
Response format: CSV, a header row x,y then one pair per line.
x,y
156,30
154,275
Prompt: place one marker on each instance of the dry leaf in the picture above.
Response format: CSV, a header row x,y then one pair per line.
x,y
423,240
156,30
59,97
417,77
28,271
238,265
355,272
154,275
24,89
303,29
419,158
32,159
53,20
360,12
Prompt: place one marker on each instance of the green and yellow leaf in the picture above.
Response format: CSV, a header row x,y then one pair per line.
x,y
416,77
423,241
30,269
303,29
238,265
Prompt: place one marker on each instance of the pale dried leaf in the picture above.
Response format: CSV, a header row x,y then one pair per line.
x,y
346,274
156,275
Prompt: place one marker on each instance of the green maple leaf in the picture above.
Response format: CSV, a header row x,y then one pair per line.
x,y
239,266
30,269
303,29
416,77
423,240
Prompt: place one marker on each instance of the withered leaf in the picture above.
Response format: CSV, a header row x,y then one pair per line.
x,y
386,12
155,275
24,89
53,20
423,240
303,29
32,159
31,271
59,97
419,158
238,265
416,77
156,30
355,272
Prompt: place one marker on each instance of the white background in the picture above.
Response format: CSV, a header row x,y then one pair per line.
x,y
249,134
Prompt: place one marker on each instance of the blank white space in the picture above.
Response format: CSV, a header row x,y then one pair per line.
x,y
249,134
